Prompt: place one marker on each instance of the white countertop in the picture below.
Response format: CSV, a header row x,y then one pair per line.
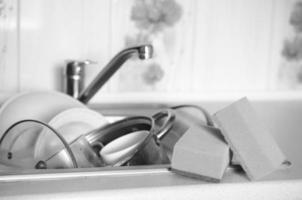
x,y
150,184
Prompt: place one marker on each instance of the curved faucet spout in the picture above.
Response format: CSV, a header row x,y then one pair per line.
x,y
142,51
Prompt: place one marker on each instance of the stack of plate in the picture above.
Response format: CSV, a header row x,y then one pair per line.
x,y
69,117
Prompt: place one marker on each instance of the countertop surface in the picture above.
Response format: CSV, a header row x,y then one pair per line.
x,y
150,183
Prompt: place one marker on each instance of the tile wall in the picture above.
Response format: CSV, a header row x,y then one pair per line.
x,y
200,45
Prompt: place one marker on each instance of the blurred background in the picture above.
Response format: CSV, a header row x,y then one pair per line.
x,y
201,46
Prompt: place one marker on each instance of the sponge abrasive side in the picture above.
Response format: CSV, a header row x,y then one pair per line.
x,y
201,153
255,148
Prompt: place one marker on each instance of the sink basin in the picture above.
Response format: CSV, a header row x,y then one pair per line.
x,y
282,116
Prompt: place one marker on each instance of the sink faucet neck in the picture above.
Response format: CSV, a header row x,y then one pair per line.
x,y
142,51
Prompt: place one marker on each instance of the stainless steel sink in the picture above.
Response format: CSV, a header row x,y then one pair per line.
x,y
282,116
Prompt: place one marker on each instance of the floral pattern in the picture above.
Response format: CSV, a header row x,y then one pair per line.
x,y
155,15
292,48
153,74
2,7
152,18
296,17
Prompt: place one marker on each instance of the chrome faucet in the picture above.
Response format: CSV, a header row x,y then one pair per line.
x,y
74,77
143,52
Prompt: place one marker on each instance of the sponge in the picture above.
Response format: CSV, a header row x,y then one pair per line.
x,y
201,153
254,147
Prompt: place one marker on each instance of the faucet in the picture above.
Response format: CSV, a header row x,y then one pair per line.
x,y
143,52
74,77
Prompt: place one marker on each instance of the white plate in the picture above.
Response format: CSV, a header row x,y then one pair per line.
x,y
123,147
41,105
71,124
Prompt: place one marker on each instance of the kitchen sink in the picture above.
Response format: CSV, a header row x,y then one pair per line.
x,y
282,116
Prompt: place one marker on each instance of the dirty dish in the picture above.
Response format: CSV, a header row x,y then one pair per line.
x,y
105,134
41,106
84,154
146,153
122,148
23,158
71,124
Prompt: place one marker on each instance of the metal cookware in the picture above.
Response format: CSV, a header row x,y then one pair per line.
x,y
149,151
83,152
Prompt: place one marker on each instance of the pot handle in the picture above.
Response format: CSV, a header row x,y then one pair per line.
x,y
169,116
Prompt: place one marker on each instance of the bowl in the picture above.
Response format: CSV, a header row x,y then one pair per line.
x,y
122,148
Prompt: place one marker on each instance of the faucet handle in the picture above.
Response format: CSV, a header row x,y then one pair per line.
x,y
87,62
75,76
73,65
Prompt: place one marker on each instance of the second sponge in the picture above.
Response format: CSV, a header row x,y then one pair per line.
x,y
201,153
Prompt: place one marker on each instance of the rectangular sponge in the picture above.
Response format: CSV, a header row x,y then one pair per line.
x,y
201,153
256,150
